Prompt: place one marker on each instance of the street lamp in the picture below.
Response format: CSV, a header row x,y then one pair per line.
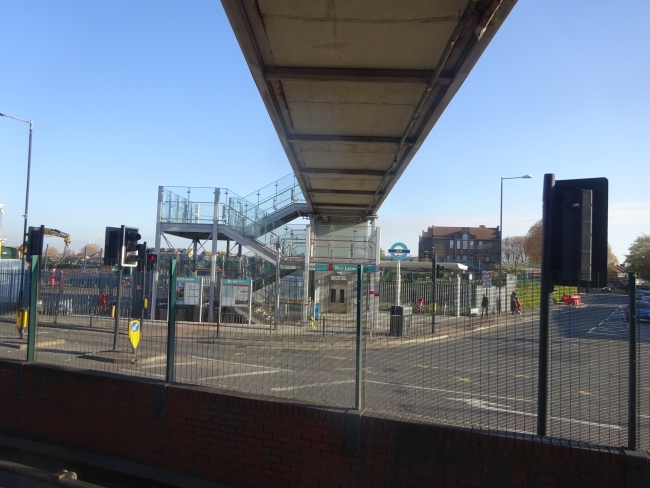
x,y
29,166
525,177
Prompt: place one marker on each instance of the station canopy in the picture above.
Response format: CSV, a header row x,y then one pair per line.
x,y
353,87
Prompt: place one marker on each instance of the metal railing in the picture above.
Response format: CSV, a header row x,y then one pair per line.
x,y
455,369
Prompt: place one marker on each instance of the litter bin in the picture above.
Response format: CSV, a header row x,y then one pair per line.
x,y
396,321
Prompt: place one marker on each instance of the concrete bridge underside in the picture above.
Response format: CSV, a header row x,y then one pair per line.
x,y
353,88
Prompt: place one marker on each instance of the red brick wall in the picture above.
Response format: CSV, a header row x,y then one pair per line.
x,y
254,441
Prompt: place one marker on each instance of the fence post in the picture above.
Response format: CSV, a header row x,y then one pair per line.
x,y
33,292
632,365
171,322
359,400
118,304
546,288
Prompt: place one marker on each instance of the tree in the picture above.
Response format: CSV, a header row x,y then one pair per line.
x,y
382,255
612,260
53,251
638,260
533,243
514,251
90,249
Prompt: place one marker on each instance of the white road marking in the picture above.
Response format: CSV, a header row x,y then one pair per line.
x,y
241,364
298,387
616,330
442,390
503,408
160,365
240,374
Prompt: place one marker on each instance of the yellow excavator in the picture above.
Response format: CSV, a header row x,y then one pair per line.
x,y
58,233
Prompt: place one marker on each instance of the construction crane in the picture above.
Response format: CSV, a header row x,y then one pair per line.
x,y
58,233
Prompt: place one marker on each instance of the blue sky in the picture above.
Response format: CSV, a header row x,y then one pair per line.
x,y
126,96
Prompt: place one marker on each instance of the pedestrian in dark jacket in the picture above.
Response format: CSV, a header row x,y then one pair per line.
x,y
484,305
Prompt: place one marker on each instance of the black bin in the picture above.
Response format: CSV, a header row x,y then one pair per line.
x,y
396,321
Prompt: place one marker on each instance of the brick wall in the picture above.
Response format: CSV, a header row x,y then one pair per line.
x,y
252,441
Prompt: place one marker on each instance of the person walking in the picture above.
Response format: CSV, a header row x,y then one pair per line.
x,y
513,302
484,305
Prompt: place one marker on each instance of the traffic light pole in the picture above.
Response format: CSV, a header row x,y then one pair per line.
x,y
143,290
433,291
118,301
118,306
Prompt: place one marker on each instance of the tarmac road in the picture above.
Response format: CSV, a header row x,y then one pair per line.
x,y
471,372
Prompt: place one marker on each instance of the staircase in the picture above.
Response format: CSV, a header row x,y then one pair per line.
x,y
258,221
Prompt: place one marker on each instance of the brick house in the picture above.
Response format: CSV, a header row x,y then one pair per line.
x,y
478,247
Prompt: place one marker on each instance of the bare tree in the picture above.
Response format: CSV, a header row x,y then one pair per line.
x,y
91,249
612,260
514,250
533,243
53,251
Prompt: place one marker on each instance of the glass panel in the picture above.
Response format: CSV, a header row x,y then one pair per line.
x,y
341,296
333,295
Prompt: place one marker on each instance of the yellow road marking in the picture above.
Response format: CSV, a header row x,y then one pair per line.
x,y
466,380
584,392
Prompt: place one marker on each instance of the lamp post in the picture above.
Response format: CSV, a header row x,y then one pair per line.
x,y
29,166
525,177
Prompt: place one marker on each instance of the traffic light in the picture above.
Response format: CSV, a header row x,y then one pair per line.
x,y
130,238
35,237
141,250
438,271
152,262
112,245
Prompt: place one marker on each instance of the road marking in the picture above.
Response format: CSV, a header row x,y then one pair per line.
x,y
422,366
442,390
334,357
240,364
159,365
298,387
617,329
522,376
466,380
503,408
582,392
241,374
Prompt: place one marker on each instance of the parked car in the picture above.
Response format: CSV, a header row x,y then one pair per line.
x,y
643,311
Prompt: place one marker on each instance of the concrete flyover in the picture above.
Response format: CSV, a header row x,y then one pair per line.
x,y
353,88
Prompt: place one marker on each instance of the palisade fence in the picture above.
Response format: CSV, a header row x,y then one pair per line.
x,y
453,367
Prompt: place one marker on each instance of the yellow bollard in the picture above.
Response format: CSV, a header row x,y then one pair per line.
x,y
22,319
113,311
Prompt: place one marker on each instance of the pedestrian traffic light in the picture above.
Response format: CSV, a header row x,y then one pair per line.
x,y
152,261
130,238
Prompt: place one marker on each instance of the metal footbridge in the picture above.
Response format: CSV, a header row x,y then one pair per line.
x,y
353,89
